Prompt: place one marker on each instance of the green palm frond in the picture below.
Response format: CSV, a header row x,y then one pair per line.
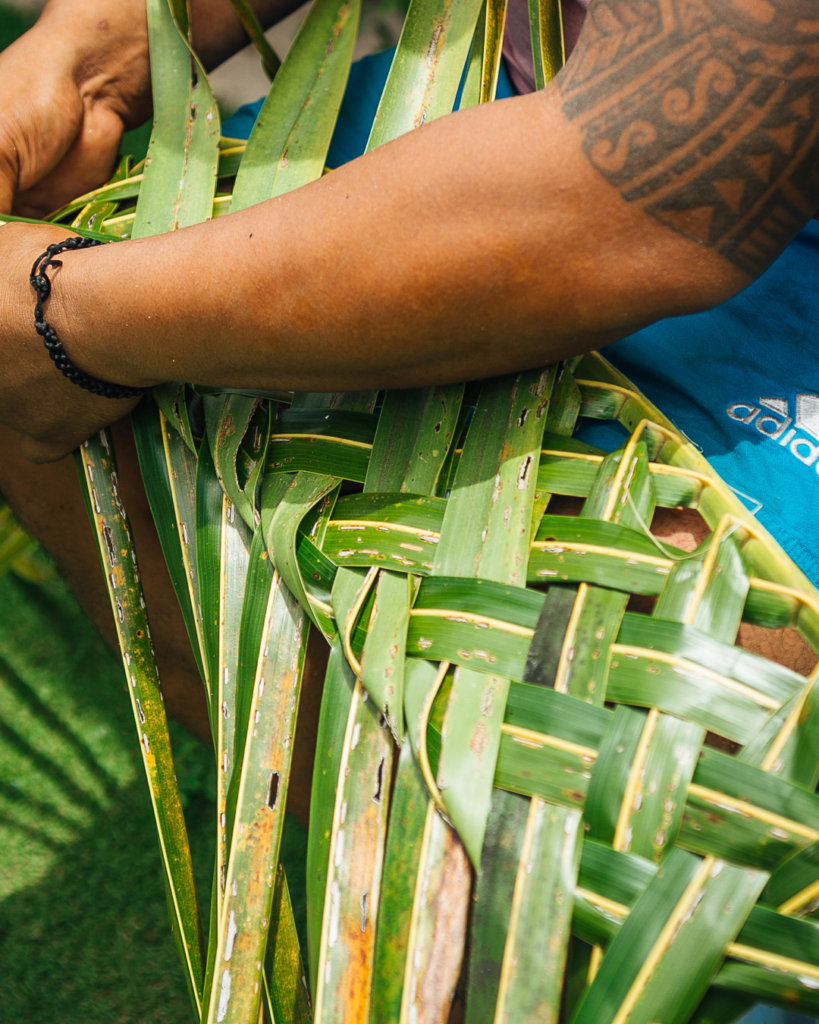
x,y
547,775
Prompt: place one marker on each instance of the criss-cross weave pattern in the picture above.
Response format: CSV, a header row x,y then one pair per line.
x,y
549,776
620,769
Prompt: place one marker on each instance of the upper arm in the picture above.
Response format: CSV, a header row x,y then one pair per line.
x,y
704,114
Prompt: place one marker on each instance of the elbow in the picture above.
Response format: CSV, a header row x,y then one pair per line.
x,y
678,279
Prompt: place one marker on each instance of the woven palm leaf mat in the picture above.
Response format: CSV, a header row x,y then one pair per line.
x,y
559,698
550,783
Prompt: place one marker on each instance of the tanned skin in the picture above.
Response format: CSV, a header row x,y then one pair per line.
x,y
667,164
705,115
665,167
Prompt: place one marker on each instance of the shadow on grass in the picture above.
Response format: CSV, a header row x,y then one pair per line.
x,y
84,931
91,941
84,934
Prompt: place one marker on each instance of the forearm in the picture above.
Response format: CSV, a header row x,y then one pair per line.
x,y
428,260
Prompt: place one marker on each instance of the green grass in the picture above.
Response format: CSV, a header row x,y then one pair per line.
x,y
83,926
84,933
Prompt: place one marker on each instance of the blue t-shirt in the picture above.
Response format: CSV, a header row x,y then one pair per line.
x,y
742,382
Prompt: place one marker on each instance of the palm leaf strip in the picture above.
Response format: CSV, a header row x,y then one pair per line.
x,y
98,475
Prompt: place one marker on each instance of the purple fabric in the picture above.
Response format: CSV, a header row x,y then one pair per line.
x,y
517,49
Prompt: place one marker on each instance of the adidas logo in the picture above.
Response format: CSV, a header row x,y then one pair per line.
x,y
771,417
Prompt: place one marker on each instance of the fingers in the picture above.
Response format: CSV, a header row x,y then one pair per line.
x,y
87,164
57,140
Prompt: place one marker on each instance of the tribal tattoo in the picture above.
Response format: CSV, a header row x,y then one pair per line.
x,y
706,114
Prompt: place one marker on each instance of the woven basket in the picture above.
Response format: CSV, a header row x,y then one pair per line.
x,y
550,783
574,686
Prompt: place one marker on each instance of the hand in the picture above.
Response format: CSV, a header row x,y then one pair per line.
x,y
69,86
52,415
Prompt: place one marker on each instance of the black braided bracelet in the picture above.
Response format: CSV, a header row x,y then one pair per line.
x,y
42,286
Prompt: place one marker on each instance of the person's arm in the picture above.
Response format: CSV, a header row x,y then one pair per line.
x,y
665,167
76,80
483,243
635,186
